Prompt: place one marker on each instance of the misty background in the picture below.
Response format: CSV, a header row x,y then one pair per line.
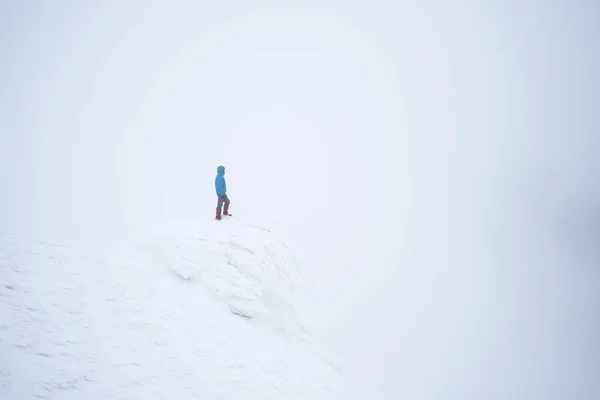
x,y
432,164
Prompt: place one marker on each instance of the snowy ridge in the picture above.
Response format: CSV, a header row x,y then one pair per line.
x,y
156,319
244,266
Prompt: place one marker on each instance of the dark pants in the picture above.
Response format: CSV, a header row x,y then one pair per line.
x,y
223,199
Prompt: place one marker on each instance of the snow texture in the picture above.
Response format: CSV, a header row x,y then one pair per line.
x,y
193,310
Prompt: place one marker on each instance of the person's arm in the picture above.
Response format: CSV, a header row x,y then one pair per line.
x,y
219,185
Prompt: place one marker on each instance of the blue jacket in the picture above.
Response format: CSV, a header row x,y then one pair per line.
x,y
220,184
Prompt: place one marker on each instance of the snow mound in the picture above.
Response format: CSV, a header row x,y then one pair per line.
x,y
245,267
153,319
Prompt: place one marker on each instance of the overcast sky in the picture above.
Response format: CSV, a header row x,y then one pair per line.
x,y
433,164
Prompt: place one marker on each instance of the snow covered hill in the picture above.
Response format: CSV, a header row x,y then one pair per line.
x,y
192,310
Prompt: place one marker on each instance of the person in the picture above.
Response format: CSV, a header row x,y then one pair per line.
x,y
221,188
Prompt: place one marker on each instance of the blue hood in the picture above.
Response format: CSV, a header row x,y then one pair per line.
x,y
220,170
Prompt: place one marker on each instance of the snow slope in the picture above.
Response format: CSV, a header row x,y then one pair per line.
x,y
192,310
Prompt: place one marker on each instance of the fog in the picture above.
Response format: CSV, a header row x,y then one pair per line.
x,y
433,165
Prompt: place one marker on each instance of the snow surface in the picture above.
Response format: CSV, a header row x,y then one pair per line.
x,y
192,310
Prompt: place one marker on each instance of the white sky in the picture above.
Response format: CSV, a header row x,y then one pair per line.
x,y
433,164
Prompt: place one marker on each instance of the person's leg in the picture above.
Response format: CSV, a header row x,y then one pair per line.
x,y
219,205
226,208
